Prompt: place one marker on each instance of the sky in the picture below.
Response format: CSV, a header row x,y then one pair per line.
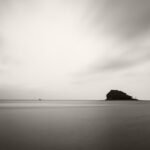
x,y
74,49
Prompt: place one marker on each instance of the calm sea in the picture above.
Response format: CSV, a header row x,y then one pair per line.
x,y
74,125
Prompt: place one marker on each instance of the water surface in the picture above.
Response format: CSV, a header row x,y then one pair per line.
x,y
74,125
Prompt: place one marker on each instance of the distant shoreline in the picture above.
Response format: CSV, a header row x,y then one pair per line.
x,y
46,100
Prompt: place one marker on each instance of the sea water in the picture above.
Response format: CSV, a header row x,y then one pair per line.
x,y
74,125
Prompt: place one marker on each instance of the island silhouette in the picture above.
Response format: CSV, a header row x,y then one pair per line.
x,y
113,95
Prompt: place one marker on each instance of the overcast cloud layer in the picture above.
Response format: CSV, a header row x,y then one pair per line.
x,y
72,49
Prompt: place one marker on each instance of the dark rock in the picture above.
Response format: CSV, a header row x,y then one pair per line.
x,y
118,95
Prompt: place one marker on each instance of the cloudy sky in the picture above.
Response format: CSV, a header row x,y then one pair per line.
x,y
74,49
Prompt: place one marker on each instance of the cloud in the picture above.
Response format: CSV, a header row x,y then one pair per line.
x,y
127,22
127,59
127,19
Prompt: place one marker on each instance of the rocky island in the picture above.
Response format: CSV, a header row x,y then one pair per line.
x,y
118,95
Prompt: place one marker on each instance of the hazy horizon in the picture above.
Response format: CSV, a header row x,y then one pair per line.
x,y
72,49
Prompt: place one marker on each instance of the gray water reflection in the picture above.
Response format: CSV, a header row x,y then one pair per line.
x,y
117,127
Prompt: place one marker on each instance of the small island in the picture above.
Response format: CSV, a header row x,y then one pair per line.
x,y
118,95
